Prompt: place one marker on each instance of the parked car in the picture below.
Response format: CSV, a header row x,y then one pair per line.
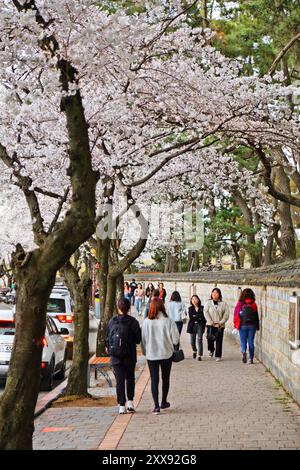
x,y
10,297
3,292
54,355
60,309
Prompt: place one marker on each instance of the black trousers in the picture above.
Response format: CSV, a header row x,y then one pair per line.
x,y
179,325
124,373
165,365
198,331
219,340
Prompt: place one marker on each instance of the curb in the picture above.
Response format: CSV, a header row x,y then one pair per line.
x,y
118,427
44,403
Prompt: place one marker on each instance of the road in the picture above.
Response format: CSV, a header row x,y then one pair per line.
x,y
92,347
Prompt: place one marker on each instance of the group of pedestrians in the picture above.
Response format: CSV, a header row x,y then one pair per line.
x,y
160,337
137,295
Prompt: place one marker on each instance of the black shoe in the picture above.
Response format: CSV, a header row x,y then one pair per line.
x,y
244,360
163,406
194,355
199,358
156,410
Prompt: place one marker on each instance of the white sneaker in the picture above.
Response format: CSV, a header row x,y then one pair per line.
x,y
122,410
218,359
130,407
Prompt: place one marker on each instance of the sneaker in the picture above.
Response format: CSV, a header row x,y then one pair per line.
x,y
218,359
130,407
163,406
156,411
122,410
244,358
210,354
199,358
194,355
250,361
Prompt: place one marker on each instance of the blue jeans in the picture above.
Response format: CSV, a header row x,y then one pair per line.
x,y
138,305
247,334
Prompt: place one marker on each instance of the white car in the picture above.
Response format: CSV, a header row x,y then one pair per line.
x,y
60,309
54,355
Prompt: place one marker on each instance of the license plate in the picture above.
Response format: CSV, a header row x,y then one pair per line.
x,y
6,348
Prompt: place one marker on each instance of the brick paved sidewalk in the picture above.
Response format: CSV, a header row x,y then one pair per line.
x,y
214,405
217,405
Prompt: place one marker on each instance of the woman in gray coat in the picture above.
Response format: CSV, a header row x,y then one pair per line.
x,y
216,312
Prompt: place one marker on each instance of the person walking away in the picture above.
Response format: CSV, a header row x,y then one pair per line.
x,y
127,291
133,286
246,320
162,292
196,326
216,312
176,310
159,335
124,334
138,298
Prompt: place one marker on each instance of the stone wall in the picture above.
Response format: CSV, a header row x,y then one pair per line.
x,y
273,288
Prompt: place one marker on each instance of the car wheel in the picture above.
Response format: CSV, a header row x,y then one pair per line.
x,y
62,373
48,380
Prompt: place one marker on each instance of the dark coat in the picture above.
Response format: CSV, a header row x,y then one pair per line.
x,y
195,318
133,340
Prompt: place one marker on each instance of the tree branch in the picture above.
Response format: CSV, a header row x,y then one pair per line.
x,y
282,53
60,205
294,201
24,183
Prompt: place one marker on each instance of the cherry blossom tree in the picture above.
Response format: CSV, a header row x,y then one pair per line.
x,y
86,91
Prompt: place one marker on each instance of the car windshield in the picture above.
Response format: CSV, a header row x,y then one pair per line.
x,y
7,328
56,305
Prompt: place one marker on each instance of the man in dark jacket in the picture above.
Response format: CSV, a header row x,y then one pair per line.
x,y
133,286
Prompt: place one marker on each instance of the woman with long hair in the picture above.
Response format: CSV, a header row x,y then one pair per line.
x,y
139,297
196,326
246,320
216,312
176,310
127,291
159,335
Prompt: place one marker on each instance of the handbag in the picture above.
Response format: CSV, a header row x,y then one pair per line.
x,y
212,336
178,356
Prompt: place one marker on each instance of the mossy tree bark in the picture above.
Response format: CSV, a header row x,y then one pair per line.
x,y
79,288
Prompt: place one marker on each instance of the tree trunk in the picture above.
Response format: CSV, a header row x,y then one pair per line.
x,y
113,279
252,248
235,250
120,286
102,253
79,288
205,22
22,387
287,232
35,271
196,260
107,315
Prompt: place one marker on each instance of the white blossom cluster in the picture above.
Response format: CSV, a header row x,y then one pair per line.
x,y
158,100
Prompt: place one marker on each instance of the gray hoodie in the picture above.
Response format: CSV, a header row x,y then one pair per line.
x,y
159,337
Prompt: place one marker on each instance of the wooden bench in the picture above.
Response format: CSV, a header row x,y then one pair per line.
x,y
99,364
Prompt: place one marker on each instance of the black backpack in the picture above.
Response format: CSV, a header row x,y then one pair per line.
x,y
248,316
118,338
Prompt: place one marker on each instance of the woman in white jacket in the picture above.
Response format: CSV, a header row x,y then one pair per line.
x,y
216,312
159,336
176,310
